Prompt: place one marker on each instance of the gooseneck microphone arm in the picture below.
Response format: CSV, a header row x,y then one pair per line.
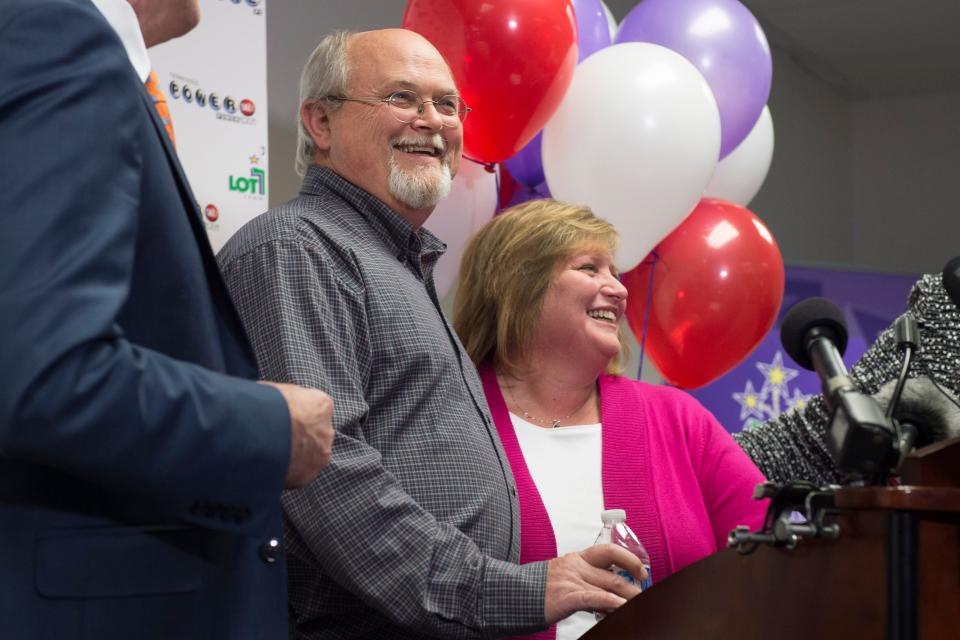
x,y
826,362
908,339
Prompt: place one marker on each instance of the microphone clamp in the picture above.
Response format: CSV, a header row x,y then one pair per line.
x,y
797,511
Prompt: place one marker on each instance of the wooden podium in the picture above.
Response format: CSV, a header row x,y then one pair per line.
x,y
894,573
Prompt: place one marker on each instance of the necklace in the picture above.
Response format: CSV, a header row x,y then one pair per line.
x,y
553,423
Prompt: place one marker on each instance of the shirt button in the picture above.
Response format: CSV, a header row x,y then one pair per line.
x,y
270,550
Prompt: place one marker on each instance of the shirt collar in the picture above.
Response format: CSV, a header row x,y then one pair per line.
x,y
394,230
120,15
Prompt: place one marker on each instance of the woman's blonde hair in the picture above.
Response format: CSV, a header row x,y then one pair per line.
x,y
506,270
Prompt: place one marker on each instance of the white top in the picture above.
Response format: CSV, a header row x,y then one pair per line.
x,y
565,465
121,17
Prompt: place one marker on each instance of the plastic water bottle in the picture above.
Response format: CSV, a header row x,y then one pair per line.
x,y
615,531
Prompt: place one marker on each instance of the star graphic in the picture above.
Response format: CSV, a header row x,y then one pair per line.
x,y
254,159
774,373
751,404
799,399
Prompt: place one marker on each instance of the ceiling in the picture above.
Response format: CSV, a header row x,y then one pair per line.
x,y
863,49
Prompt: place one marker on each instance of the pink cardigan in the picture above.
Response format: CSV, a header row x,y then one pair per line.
x,y
681,478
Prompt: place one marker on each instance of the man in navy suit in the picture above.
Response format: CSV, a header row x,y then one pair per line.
x,y
140,462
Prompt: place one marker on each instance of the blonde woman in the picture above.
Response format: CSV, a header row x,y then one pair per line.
x,y
538,310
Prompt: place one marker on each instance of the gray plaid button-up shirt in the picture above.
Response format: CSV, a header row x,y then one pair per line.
x,y
412,530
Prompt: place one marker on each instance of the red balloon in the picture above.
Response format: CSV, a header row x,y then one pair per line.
x,y
717,287
512,60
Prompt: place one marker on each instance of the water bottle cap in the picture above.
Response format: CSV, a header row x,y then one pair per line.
x,y
613,515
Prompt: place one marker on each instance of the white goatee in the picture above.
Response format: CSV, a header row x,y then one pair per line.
x,y
422,186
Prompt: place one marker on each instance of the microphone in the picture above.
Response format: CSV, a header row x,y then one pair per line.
x,y
951,280
793,445
860,437
814,334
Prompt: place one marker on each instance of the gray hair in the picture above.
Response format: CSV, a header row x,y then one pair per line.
x,y
325,74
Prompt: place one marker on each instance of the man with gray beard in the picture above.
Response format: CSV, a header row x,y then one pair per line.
x,y
412,530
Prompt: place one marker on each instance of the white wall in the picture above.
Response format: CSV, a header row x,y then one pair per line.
x,y
868,184
906,181
807,199
284,182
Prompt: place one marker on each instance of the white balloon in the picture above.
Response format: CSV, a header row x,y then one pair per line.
x,y
739,176
611,21
471,204
636,139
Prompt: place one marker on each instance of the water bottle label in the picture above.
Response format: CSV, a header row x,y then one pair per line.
x,y
644,585
623,573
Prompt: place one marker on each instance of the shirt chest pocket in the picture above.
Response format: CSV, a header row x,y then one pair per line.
x,y
407,329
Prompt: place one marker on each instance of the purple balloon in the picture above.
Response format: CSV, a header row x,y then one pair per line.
x,y
593,32
524,194
725,42
526,165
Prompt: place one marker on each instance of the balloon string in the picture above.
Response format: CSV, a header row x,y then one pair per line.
x,y
646,312
491,167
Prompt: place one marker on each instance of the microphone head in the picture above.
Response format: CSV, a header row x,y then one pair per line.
x,y
951,280
808,315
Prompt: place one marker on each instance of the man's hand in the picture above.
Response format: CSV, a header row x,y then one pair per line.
x,y
580,581
311,432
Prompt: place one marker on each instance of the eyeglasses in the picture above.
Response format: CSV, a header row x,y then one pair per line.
x,y
407,106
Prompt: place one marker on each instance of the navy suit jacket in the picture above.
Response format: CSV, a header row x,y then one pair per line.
x,y
139,473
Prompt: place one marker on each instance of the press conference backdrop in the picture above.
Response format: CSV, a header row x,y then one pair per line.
x,y
215,79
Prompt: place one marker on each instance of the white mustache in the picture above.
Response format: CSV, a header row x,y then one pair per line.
x,y
435,140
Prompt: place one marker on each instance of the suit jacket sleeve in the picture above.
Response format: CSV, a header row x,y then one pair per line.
x,y
355,522
76,395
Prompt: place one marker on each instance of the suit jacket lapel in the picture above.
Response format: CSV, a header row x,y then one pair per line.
x,y
186,193
245,364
